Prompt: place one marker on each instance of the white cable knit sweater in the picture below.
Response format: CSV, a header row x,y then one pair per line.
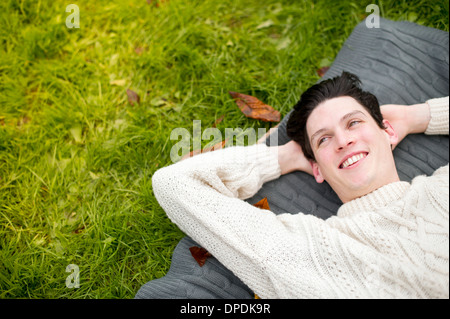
x,y
391,243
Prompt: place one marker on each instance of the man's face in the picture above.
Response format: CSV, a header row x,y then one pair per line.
x,y
353,154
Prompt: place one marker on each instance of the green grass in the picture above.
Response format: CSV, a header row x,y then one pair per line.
x,y
76,159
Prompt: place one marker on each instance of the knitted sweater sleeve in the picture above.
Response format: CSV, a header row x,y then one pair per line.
x,y
204,195
274,255
439,109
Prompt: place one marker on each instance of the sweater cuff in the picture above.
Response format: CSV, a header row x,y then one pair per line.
x,y
266,158
439,116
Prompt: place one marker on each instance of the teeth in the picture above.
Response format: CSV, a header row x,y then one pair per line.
x,y
352,160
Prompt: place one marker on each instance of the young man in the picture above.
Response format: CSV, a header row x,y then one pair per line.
x,y
389,238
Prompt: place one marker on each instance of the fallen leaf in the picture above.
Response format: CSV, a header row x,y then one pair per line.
x,y
139,50
157,3
220,119
78,230
93,175
265,24
263,204
215,147
321,72
257,297
24,120
254,108
158,101
200,254
120,82
283,43
133,97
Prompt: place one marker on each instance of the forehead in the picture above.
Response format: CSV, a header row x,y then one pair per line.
x,y
331,111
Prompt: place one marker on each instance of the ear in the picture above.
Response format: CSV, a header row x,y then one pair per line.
x,y
391,133
316,172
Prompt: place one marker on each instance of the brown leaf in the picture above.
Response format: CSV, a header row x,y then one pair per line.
x,y
22,121
78,230
321,72
215,147
157,3
263,204
254,108
139,50
220,119
200,254
133,97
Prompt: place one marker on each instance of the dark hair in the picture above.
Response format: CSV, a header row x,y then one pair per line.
x,y
346,84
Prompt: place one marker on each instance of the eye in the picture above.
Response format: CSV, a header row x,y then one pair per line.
x,y
353,123
321,140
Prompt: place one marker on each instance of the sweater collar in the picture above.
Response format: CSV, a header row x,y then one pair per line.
x,y
380,197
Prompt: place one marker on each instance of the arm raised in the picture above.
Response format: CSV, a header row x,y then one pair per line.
x,y
430,117
291,158
407,119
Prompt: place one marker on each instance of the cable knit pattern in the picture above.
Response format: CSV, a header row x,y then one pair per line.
x,y
391,243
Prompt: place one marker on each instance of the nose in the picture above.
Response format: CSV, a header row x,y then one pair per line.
x,y
344,139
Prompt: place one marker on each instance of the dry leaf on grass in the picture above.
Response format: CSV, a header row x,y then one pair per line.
x,y
133,97
119,82
321,72
215,147
254,108
218,121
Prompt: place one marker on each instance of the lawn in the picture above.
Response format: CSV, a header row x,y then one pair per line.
x,y
77,154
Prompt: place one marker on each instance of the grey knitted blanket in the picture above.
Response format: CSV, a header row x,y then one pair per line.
x,y
401,63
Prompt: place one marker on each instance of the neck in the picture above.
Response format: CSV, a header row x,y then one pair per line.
x,y
350,195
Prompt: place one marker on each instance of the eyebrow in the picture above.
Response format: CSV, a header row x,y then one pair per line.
x,y
344,118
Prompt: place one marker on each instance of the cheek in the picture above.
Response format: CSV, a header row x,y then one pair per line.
x,y
324,156
376,138
373,131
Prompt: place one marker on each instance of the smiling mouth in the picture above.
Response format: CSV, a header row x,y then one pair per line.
x,y
352,160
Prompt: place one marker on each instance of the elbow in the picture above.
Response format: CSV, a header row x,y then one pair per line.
x,y
169,190
166,183
160,181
